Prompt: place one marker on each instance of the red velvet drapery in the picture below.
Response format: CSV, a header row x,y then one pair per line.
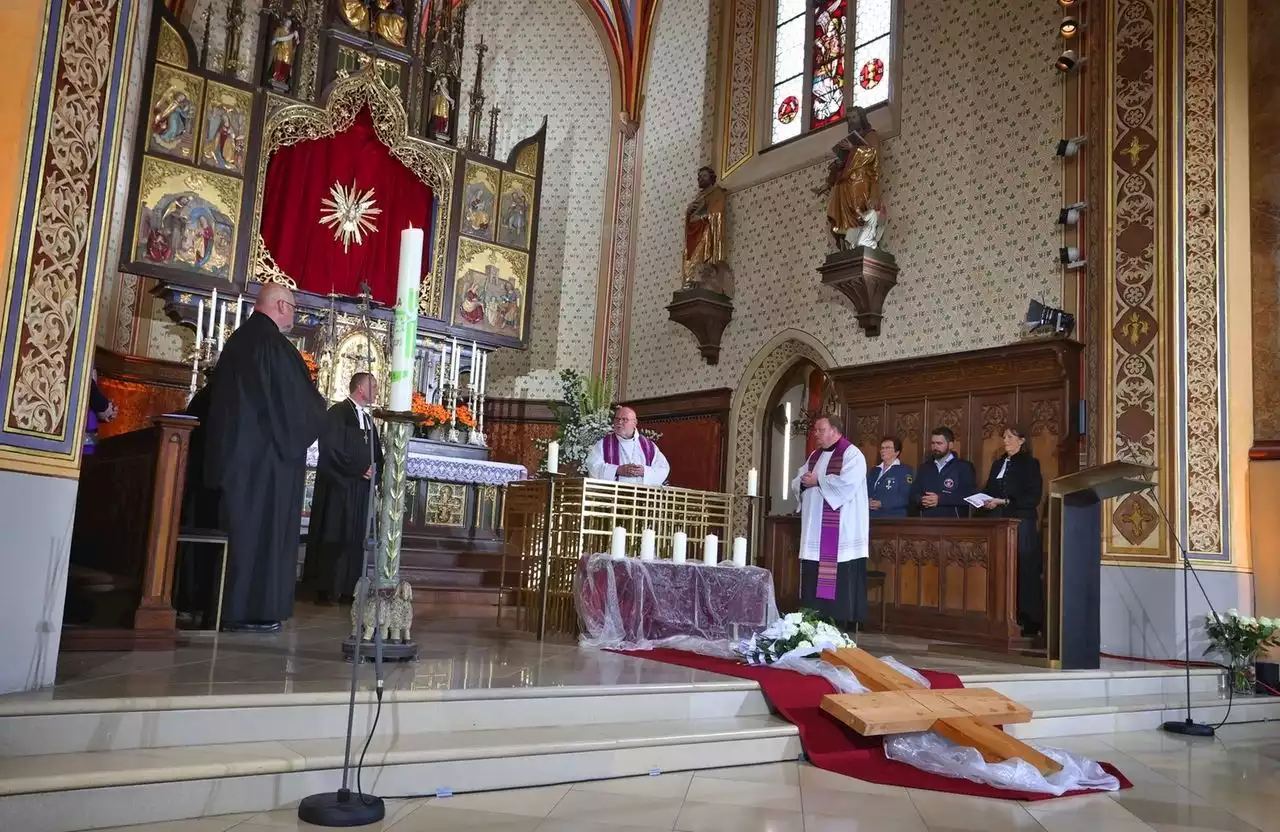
x,y
299,177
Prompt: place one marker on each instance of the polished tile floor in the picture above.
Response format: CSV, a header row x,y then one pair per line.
x,y
305,657
1228,784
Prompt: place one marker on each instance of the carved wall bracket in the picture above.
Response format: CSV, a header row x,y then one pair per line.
x,y
704,313
864,276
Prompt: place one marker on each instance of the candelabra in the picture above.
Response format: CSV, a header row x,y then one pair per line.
x,y
477,413
451,392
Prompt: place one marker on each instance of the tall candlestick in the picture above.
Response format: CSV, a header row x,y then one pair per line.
x,y
553,457
739,551
648,544
200,325
213,312
679,547
440,386
618,548
484,371
222,326
475,369
239,310
453,368
711,550
753,483
404,336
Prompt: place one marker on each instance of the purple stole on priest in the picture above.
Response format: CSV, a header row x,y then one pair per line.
x,y
829,539
613,450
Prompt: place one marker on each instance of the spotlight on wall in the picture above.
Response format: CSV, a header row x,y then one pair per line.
x,y
1043,319
1066,4
1069,147
1070,214
1070,257
1067,61
1069,27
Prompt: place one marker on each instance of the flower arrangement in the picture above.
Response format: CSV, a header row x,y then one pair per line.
x,y
795,635
1240,638
419,404
312,367
465,416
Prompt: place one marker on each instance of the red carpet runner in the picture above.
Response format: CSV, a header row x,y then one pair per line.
x,y
830,745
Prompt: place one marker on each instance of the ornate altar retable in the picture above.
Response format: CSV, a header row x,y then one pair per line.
x,y
454,499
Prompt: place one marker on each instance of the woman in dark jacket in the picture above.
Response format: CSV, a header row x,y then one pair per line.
x,y
1015,487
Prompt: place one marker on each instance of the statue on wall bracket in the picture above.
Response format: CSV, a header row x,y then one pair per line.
x,y
283,47
704,302
859,268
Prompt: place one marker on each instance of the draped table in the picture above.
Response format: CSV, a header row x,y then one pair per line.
x,y
627,602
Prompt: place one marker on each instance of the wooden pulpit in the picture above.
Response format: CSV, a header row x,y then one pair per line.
x,y
124,540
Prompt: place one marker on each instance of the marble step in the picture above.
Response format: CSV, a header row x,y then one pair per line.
x,y
1076,716
1095,684
76,726
67,792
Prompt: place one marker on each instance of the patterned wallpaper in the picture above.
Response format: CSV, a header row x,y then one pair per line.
x,y
972,187
545,59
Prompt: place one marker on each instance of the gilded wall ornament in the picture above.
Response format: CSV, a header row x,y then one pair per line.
x,y
351,214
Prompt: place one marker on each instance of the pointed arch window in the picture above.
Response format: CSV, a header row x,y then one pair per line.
x,y
829,56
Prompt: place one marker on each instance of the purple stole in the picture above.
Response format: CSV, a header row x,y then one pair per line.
x,y
829,539
613,453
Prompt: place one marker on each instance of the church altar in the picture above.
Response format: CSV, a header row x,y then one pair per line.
x,y
629,602
431,460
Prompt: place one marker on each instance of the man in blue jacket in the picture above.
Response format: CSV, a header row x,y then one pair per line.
x,y
889,483
944,480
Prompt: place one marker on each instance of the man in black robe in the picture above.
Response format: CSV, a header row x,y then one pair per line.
x,y
350,452
264,412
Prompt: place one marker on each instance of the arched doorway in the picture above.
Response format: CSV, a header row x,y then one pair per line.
x,y
800,395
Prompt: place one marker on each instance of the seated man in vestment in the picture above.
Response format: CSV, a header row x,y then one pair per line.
x,y
626,456
835,526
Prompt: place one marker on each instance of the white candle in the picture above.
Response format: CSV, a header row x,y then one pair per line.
x,y
213,312
753,483
440,386
619,547
711,550
679,547
194,373
453,369
222,325
200,324
475,368
648,544
404,334
484,372
239,311
553,457
739,551
786,450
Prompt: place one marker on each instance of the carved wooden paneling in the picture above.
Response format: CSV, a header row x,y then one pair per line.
x,y
140,388
695,435
516,427
782,558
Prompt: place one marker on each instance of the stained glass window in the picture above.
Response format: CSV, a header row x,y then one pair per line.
x,y
828,55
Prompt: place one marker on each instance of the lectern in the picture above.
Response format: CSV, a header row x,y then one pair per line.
x,y
1072,620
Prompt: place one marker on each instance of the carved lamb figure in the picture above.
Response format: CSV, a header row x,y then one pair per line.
x,y
394,613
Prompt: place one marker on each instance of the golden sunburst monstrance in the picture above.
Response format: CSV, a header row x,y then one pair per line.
x,y
350,214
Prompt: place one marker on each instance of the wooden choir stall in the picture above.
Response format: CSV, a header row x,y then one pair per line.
x,y
950,580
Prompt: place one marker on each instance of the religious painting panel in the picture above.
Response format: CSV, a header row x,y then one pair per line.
x,y
479,200
187,219
223,138
170,49
491,289
174,113
515,210
356,351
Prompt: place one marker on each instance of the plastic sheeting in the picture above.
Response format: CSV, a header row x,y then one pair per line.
x,y
934,753
630,604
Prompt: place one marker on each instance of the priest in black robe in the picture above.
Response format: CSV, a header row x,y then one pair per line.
x,y
264,412
350,456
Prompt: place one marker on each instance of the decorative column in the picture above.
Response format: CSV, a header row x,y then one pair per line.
x,y
612,308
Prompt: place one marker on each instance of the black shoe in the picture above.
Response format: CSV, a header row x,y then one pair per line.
x,y
252,627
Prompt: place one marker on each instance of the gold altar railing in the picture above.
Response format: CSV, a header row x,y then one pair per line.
x,y
551,523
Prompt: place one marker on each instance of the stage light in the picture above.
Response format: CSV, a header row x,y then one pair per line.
x,y
1070,257
1044,319
1067,61
1066,4
1069,27
1069,147
1070,214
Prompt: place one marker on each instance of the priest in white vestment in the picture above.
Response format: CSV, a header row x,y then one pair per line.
x,y
835,525
626,456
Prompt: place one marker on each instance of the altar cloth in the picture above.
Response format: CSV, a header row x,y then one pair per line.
x,y
629,604
449,469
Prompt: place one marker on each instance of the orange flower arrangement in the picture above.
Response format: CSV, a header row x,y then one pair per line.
x,y
465,417
312,367
419,404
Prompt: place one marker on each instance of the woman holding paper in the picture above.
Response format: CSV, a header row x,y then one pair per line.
x,y
1014,488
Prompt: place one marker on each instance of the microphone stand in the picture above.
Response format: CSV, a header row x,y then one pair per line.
x,y
344,808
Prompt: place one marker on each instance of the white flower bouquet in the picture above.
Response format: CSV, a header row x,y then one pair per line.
x,y
795,635
1240,638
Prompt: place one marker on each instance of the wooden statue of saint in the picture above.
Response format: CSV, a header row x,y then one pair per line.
x,y
704,263
282,48
855,209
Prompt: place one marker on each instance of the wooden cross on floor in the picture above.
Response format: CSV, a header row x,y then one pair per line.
x,y
899,705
